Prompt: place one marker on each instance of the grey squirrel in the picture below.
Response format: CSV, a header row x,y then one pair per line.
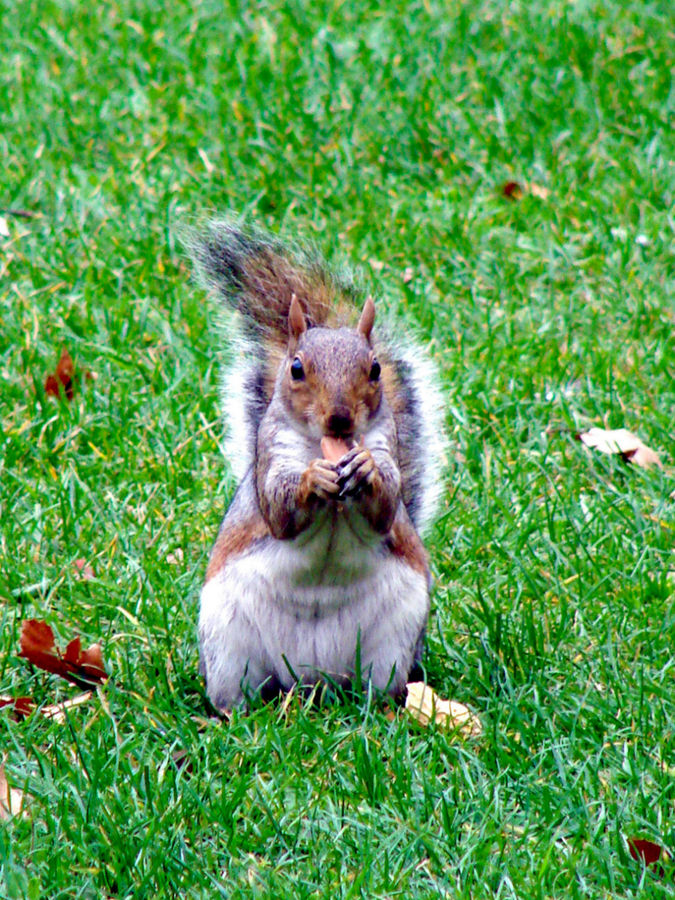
x,y
336,435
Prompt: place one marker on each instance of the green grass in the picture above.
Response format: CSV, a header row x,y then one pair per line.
x,y
385,136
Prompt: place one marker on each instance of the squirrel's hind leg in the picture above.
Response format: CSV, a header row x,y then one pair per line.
x,y
229,649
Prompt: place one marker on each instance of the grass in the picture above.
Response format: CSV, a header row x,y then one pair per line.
x,y
385,135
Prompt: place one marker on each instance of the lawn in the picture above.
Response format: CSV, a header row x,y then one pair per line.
x,y
386,136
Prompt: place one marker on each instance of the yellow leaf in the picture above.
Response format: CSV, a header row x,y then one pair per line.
x,y
425,706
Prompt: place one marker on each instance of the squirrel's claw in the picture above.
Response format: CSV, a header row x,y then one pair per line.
x,y
356,469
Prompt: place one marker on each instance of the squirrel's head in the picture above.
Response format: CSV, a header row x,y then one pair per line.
x,y
331,377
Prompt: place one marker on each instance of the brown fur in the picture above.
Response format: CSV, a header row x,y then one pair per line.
x,y
257,274
271,280
391,386
404,542
235,540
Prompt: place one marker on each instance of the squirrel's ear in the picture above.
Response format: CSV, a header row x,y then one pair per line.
x,y
367,319
296,320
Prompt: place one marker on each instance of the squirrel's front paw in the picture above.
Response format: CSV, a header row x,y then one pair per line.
x,y
320,479
356,470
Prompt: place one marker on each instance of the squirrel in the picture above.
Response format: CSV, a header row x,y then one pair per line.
x,y
318,571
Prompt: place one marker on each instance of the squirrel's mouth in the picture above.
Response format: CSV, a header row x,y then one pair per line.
x,y
346,436
340,424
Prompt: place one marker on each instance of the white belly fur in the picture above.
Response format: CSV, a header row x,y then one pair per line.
x,y
270,604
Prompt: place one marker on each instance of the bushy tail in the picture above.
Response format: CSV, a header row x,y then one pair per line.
x,y
257,274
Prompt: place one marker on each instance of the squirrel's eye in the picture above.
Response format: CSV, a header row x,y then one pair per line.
x,y
375,371
297,372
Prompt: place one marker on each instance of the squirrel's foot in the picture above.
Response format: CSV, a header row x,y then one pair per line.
x,y
319,479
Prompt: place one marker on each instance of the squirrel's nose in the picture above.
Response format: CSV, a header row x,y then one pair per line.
x,y
340,423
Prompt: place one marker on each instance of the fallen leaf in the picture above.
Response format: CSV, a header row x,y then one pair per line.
x,y
175,558
37,639
425,706
407,276
12,800
57,711
22,706
649,853
641,849
82,667
512,190
65,368
52,386
622,442
64,377
537,190
85,571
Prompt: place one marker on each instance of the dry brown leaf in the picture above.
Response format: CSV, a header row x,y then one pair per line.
x,y
22,706
52,386
12,800
425,706
646,850
621,442
63,378
65,368
512,190
175,558
649,853
82,667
